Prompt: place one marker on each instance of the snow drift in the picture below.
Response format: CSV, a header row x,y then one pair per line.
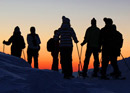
x,y
17,76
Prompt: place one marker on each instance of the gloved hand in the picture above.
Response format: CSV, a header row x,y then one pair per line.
x,y
4,42
82,44
77,41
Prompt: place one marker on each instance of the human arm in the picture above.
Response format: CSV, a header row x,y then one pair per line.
x,y
74,36
9,41
85,38
38,40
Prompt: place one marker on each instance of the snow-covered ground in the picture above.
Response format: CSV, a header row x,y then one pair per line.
x,y
16,76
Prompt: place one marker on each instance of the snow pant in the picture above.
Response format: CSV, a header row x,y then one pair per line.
x,y
95,52
105,62
16,52
66,60
33,53
55,59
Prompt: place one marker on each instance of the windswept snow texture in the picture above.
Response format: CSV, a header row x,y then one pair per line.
x,y
17,76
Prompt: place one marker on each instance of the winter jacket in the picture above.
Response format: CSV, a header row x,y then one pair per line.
x,y
17,42
33,41
92,37
112,41
66,34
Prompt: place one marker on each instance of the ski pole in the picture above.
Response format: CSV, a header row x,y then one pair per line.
x,y
100,60
80,56
3,48
79,60
78,50
125,62
24,55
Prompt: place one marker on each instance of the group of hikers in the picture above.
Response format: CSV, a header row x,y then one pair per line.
x,y
18,44
107,40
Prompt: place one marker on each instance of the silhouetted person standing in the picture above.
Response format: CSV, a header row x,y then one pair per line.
x,y
17,42
66,34
92,38
34,42
111,43
55,53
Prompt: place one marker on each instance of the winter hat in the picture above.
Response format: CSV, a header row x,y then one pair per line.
x,y
17,30
93,21
108,20
65,19
105,19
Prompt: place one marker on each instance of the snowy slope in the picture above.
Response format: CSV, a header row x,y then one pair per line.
x,y
117,86
16,76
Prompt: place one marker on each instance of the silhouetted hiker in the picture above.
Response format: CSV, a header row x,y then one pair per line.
x,y
17,41
92,38
111,44
55,53
34,42
66,34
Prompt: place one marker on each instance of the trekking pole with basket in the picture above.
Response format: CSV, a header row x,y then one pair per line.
x,y
80,64
80,57
3,48
24,55
125,62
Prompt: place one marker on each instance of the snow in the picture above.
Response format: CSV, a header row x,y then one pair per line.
x,y
17,76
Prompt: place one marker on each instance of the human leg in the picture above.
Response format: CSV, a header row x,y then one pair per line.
x,y
105,61
86,61
114,64
55,60
62,58
35,55
69,62
29,56
96,62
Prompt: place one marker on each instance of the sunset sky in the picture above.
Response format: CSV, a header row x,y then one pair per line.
x,y
46,16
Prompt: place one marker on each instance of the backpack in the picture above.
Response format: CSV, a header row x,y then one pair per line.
x,y
118,39
118,42
50,45
113,42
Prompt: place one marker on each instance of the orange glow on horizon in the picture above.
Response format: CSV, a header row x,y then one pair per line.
x,y
45,58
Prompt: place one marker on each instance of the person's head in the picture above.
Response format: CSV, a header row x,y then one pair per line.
x,y
16,31
114,27
65,20
93,22
32,30
55,31
108,21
